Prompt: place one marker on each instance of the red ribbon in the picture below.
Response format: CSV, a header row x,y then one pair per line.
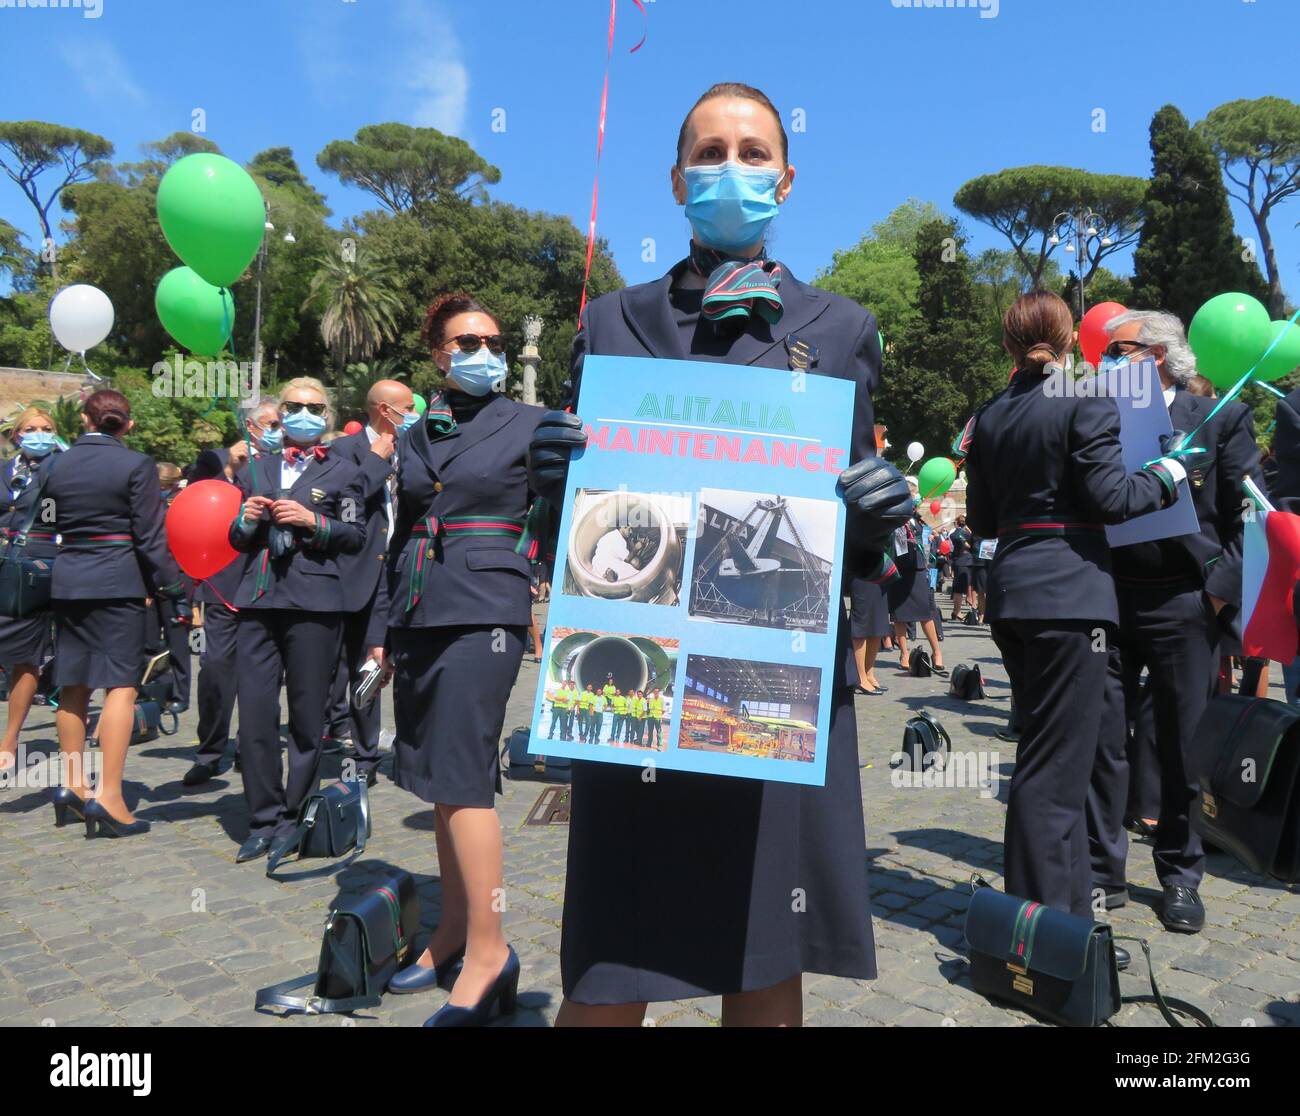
x,y
600,143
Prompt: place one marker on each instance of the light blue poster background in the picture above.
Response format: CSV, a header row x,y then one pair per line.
x,y
695,398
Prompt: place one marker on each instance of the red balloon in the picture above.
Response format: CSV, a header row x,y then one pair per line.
x,y
935,505
198,525
1092,330
945,547
353,427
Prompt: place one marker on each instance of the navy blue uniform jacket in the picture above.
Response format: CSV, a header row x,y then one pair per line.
x,y
477,470
13,513
104,491
1051,458
307,578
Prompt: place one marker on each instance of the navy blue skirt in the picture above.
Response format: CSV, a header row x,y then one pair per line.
x,y
450,688
27,642
100,643
702,885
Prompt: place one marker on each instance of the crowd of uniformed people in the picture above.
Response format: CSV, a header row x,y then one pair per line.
x,y
408,545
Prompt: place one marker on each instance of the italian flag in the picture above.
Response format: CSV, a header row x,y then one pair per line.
x,y
1270,570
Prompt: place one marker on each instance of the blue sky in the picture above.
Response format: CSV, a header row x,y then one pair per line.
x,y
898,102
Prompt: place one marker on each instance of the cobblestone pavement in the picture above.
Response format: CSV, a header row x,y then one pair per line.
x,y
167,929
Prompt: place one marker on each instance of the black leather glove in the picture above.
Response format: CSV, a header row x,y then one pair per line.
x,y
557,437
878,500
1172,441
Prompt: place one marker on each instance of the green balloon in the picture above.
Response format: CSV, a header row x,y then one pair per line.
x,y
1228,335
212,215
936,477
420,405
198,315
1285,356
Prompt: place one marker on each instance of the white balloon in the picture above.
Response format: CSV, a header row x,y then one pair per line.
x,y
915,452
81,317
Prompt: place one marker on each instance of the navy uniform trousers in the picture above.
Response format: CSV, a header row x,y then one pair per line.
x,y
1057,673
270,640
216,681
345,719
1171,632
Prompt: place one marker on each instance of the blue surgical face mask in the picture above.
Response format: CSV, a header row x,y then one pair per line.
x,y
477,373
37,443
270,441
409,419
730,205
303,427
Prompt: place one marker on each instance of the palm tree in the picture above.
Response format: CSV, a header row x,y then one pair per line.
x,y
360,307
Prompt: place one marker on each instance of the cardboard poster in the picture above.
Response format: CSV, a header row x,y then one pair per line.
x,y
697,573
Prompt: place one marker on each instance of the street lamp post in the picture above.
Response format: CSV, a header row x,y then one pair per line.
x,y
289,238
1078,230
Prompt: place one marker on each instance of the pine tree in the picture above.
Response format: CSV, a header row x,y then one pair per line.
x,y
1188,251
942,364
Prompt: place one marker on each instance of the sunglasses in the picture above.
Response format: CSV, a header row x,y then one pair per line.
x,y
292,407
472,342
1117,349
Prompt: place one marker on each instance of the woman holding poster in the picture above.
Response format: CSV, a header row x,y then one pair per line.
x,y
697,885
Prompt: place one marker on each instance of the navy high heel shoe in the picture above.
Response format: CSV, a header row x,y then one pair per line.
x,y
502,993
419,978
100,823
65,800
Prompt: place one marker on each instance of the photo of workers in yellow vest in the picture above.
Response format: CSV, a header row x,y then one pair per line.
x,y
616,687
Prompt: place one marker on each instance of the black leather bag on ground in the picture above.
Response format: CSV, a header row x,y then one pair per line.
x,y
919,664
26,583
332,821
971,619
521,766
365,943
923,736
148,719
1246,754
1053,964
967,682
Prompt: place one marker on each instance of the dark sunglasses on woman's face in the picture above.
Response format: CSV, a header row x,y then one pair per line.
x,y
292,407
471,343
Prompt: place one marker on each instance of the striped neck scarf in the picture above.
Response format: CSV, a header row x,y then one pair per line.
x,y
736,288
438,415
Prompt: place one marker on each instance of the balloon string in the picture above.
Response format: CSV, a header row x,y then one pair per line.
x,y
600,144
205,581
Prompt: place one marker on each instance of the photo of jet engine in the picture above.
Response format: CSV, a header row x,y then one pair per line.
x,y
636,663
624,546
751,574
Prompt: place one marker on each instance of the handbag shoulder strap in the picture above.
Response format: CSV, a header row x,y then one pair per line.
x,y
276,996
1168,1006
19,537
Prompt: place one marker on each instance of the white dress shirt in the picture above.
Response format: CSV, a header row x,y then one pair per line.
x,y
389,485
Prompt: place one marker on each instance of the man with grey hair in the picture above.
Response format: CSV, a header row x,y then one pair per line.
x,y
1173,596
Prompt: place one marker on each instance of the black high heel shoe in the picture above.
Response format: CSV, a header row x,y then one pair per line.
x,y
502,993
100,823
65,800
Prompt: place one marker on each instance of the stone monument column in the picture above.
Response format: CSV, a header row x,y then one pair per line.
x,y
531,357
